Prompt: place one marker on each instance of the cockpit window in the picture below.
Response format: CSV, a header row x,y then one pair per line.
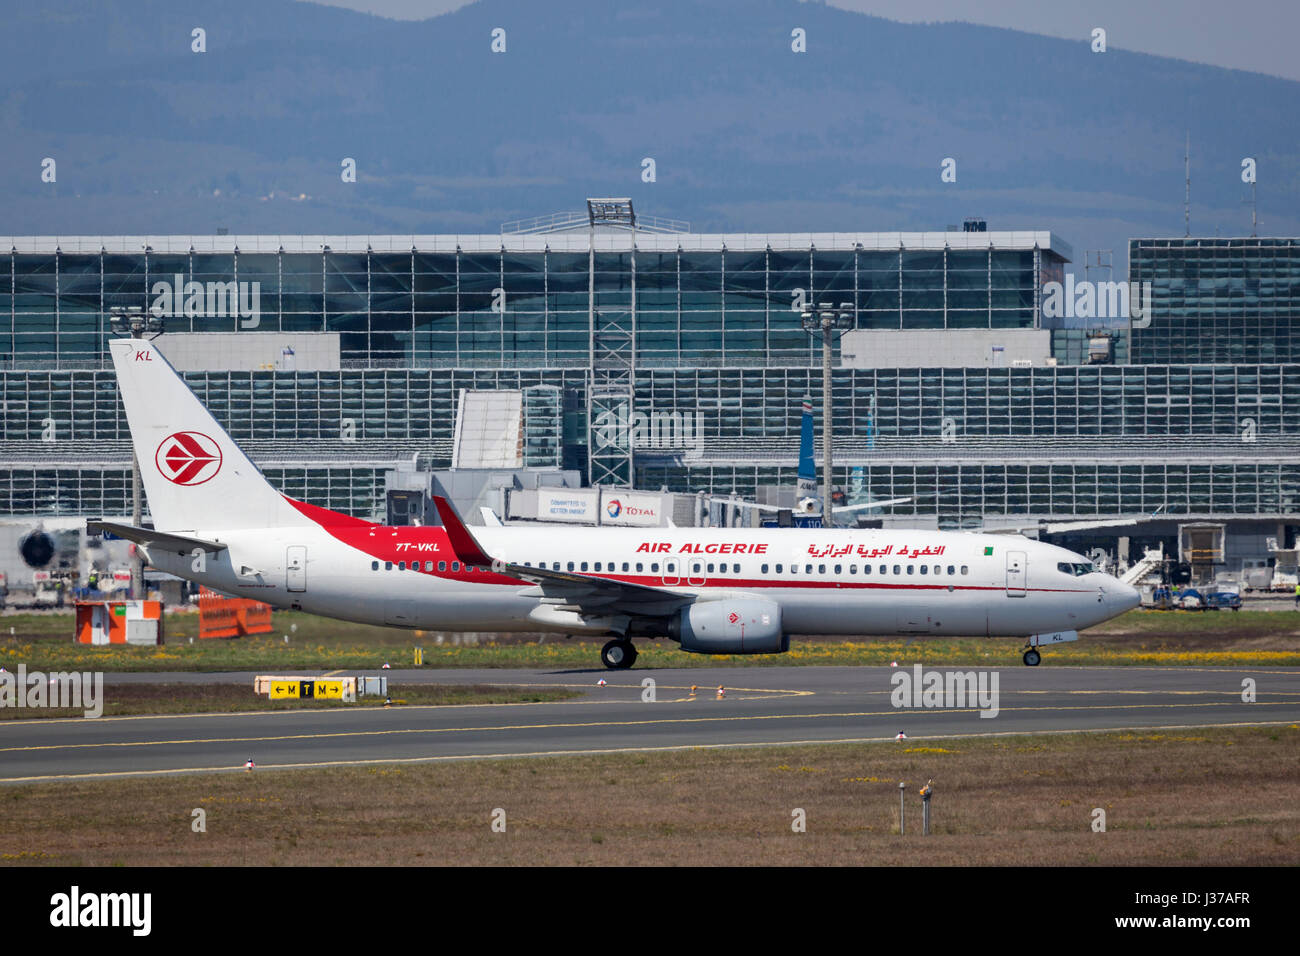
x,y
1078,570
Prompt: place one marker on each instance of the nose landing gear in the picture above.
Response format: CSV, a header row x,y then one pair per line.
x,y
1032,657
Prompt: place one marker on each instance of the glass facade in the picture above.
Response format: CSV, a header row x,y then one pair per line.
x,y
695,344
1052,442
1217,300
94,490
482,304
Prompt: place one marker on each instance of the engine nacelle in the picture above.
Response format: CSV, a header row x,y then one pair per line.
x,y
731,626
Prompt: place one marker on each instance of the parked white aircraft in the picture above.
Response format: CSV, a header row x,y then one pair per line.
x,y
717,591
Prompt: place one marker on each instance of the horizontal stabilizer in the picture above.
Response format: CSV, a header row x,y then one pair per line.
x,y
179,543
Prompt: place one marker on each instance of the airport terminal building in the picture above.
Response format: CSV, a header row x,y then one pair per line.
x,y
645,355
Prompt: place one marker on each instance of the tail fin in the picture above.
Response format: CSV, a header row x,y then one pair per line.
x,y
195,477
806,485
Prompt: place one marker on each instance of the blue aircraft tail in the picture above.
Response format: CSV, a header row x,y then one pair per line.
x,y
807,474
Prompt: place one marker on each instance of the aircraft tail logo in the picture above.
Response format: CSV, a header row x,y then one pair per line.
x,y
188,458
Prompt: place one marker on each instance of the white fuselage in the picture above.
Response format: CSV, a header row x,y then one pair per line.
x,y
847,582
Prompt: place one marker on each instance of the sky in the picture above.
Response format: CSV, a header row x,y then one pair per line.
x,y
1255,35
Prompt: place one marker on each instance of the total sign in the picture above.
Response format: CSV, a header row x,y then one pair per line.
x,y
619,507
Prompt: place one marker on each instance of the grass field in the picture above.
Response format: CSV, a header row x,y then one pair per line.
x,y
125,699
43,642
1223,796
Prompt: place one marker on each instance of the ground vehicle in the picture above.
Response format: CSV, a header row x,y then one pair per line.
x,y
1215,600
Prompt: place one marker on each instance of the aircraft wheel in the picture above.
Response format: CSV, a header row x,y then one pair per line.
x,y
1032,657
618,654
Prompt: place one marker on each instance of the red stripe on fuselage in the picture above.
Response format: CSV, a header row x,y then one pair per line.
x,y
382,543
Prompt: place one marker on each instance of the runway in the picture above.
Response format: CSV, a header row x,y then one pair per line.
x,y
761,706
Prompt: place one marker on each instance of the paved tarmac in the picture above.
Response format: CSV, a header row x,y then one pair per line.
x,y
762,706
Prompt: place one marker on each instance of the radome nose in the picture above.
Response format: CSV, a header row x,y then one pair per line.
x,y
1122,597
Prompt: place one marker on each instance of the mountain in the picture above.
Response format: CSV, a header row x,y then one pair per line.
x,y
151,138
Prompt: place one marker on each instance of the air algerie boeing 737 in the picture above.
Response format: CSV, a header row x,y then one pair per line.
x,y
714,590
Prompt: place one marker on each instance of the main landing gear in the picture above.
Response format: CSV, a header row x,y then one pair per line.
x,y
618,654
1032,657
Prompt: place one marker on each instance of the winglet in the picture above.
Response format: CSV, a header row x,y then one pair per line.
x,y
463,544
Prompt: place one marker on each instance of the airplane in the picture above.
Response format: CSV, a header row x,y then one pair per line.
x,y
808,504
217,521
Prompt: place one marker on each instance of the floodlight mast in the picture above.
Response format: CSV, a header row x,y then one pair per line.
x,y
827,321
135,322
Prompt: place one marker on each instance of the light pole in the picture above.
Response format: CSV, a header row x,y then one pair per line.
x,y
133,321
828,321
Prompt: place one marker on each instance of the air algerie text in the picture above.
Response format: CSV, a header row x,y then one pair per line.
x,y
694,547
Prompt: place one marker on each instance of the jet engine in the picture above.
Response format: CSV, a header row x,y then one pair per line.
x,y
730,626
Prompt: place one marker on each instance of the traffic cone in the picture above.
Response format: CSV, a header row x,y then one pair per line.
x,y
722,692
901,736
692,690
248,767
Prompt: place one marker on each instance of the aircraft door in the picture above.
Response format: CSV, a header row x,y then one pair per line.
x,y
1017,562
295,568
672,574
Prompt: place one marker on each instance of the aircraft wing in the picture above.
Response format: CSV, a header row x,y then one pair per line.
x,y
872,504
181,544
587,592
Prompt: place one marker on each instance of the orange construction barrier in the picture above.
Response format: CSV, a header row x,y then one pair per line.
x,y
221,616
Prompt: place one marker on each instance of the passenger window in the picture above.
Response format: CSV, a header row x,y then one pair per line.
x,y
625,566
584,565
555,566
442,565
964,569
925,569
401,565
911,568
821,569
388,565
951,569
779,568
807,569
883,568
597,566
455,565
428,565
695,569
853,569
839,569
710,569
898,569
937,569
654,568
639,567
570,565
764,569
374,565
